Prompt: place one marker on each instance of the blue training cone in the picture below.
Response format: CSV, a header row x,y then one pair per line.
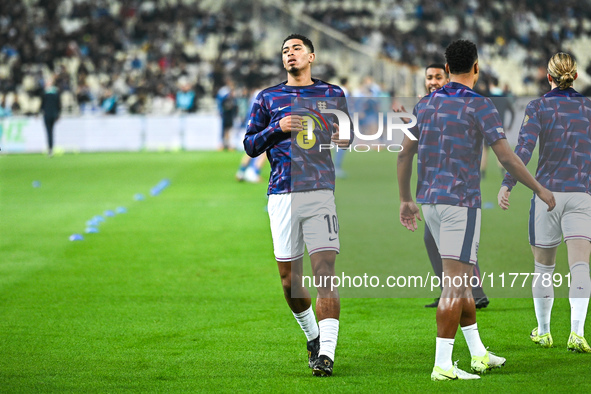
x,y
91,230
76,237
92,222
163,184
121,210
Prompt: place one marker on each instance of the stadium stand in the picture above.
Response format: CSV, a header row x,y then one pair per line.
x,y
511,34
139,53
139,50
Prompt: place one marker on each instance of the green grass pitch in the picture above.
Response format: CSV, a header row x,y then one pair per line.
x,y
181,293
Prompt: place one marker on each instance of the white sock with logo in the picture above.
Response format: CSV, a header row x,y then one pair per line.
x,y
543,296
444,348
578,295
329,333
473,340
307,321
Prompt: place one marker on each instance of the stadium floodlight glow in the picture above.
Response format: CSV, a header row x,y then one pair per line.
x,y
345,121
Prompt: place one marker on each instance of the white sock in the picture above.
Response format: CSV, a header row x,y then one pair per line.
x,y
473,340
329,332
444,348
578,295
307,321
543,296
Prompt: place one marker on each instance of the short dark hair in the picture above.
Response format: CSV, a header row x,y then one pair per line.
x,y
307,42
436,65
461,56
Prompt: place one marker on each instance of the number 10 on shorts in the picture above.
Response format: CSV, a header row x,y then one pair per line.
x,y
333,226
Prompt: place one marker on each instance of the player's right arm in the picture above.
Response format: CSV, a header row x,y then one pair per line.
x,y
528,137
291,123
261,131
492,130
409,211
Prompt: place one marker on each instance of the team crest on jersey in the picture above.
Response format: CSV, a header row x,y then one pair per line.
x,y
525,120
321,105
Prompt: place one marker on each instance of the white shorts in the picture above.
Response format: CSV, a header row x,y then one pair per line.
x,y
456,230
303,219
570,218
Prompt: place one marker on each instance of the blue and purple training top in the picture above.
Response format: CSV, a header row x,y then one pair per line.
x,y
297,164
561,119
451,124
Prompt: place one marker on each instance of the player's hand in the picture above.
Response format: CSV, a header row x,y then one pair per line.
x,y
503,198
336,139
547,196
409,213
291,123
401,109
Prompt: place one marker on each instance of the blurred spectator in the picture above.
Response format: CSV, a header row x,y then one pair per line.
x,y
186,100
108,102
62,79
83,95
51,107
137,104
5,110
228,109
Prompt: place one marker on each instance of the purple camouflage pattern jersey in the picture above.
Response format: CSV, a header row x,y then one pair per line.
x,y
294,169
561,120
451,125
